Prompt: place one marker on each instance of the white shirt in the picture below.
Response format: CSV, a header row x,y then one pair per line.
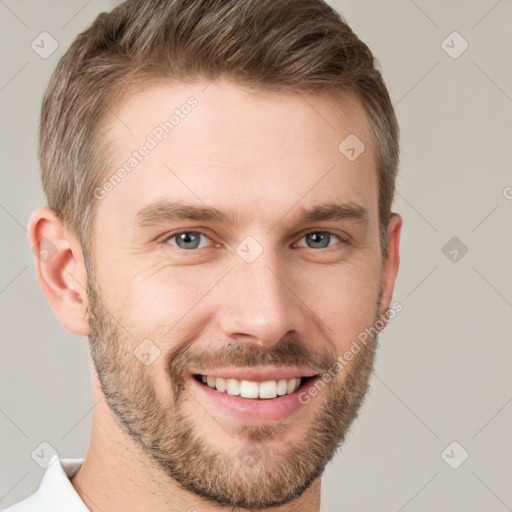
x,y
55,493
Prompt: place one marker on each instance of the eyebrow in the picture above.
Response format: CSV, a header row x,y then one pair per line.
x,y
164,210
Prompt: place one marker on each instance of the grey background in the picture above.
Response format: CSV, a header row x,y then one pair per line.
x,y
443,370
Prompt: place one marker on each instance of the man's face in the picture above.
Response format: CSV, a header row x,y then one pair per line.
x,y
260,296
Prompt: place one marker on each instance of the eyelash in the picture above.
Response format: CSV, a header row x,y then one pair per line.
x,y
342,241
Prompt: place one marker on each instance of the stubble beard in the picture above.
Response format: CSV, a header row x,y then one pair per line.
x,y
254,476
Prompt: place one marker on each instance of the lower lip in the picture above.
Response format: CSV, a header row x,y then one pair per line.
x,y
254,409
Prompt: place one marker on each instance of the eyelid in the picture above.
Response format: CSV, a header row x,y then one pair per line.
x,y
342,235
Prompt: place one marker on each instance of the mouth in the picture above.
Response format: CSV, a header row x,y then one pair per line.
x,y
251,389
252,395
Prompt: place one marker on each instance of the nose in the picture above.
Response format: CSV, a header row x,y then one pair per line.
x,y
259,304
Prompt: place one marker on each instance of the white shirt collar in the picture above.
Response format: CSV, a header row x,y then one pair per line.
x,y
56,492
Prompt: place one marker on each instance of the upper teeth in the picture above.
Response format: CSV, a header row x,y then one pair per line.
x,y
251,389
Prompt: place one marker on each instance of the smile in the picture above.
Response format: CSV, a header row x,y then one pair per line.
x,y
252,389
252,394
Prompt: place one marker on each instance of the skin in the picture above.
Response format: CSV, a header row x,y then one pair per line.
x,y
156,444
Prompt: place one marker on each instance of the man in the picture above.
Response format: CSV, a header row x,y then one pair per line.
x,y
219,178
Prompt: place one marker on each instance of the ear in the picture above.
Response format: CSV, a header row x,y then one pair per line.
x,y
390,263
60,269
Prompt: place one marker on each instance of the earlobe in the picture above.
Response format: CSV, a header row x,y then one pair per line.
x,y
60,269
391,262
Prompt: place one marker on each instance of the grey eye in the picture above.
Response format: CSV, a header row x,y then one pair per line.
x,y
319,239
187,239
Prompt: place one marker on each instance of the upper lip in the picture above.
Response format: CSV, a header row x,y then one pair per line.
x,y
256,374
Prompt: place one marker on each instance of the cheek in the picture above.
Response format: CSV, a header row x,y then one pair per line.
x,y
344,301
161,302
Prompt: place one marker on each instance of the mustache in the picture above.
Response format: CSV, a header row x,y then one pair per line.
x,y
287,352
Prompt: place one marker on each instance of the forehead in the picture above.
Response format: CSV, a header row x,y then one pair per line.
x,y
221,144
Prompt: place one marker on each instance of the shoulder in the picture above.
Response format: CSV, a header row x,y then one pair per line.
x,y
31,503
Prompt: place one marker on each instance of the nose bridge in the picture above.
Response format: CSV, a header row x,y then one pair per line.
x,y
259,300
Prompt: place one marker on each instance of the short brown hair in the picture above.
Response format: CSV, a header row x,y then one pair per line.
x,y
301,45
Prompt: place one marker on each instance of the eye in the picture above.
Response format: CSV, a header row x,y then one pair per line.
x,y
320,239
190,240
187,240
